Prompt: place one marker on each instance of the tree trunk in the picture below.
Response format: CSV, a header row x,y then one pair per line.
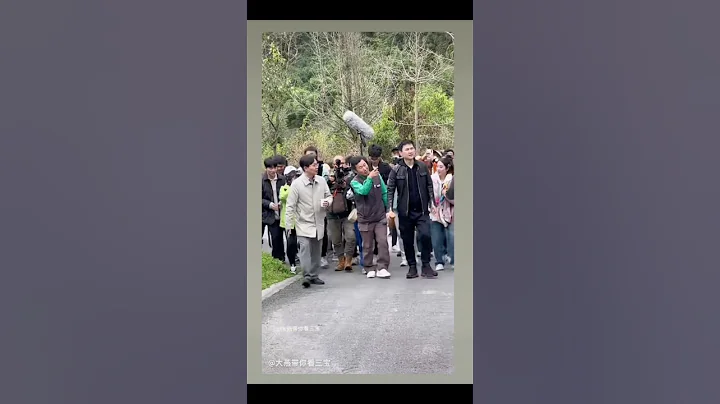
x,y
417,116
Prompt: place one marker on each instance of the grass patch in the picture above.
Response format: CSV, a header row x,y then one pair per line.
x,y
273,271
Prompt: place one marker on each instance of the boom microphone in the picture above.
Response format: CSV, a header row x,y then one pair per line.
x,y
356,123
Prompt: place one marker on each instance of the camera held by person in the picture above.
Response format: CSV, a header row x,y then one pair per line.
x,y
339,175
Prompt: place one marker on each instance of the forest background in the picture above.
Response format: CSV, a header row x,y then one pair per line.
x,y
400,83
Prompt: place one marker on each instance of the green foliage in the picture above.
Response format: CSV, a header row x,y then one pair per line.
x,y
439,110
387,134
276,85
273,271
309,79
275,80
436,106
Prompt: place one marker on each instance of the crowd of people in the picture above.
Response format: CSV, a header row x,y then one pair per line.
x,y
359,210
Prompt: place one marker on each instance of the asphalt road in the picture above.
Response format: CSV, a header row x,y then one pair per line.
x,y
355,325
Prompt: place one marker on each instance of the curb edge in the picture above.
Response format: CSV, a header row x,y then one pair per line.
x,y
279,286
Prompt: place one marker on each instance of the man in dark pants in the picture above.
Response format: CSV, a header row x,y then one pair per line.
x,y
372,208
415,193
324,171
376,161
271,184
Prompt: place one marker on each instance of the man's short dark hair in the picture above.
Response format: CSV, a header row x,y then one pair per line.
x,y
395,149
306,161
405,143
281,160
270,162
356,160
311,149
352,161
449,151
375,151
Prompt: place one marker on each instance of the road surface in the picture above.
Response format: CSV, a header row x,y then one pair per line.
x,y
355,325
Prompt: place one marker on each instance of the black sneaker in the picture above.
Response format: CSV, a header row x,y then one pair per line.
x,y
306,283
412,272
317,281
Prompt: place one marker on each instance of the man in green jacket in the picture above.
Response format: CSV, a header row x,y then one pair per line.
x,y
371,202
290,174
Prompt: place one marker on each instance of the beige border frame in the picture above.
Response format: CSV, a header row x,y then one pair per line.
x,y
463,346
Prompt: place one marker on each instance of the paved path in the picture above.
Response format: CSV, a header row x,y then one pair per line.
x,y
355,325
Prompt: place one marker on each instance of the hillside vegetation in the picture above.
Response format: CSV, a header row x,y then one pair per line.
x,y
401,83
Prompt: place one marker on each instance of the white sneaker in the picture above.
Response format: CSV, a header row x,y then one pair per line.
x,y
396,249
371,274
383,273
403,263
439,267
323,262
364,271
293,269
447,259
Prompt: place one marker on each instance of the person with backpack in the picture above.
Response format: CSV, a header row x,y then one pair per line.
x,y
341,231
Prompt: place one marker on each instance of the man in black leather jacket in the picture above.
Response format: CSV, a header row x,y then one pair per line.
x,y
415,196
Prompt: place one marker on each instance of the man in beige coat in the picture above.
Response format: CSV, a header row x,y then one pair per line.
x,y
307,206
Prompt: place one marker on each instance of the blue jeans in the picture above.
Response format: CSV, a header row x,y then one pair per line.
x,y
443,240
358,238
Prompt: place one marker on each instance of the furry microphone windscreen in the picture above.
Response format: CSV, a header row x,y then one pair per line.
x,y
356,123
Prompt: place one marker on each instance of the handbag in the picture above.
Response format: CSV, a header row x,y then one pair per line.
x,y
352,217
